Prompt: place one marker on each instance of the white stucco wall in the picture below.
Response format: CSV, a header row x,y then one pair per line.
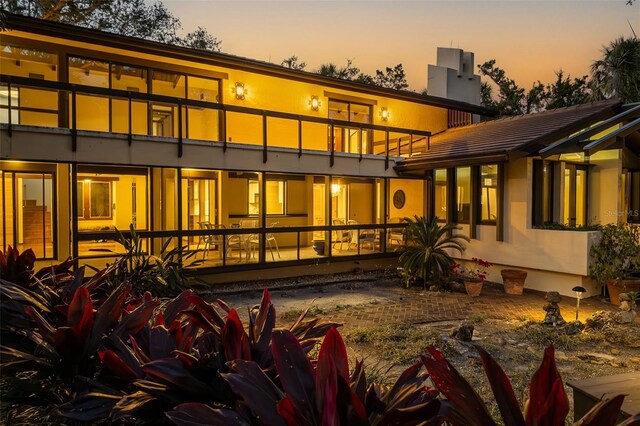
x,y
555,260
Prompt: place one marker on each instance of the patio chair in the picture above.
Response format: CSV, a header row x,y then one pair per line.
x,y
368,237
341,235
212,240
271,239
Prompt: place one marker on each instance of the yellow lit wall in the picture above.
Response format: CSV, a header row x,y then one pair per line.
x,y
414,198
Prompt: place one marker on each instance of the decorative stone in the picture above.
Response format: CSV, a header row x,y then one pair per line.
x,y
464,332
573,327
553,316
625,317
496,340
615,351
561,356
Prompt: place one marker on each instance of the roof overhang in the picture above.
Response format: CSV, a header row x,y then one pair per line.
x,y
71,32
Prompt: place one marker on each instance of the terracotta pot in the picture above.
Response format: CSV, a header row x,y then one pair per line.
x,y
474,288
513,280
615,288
318,247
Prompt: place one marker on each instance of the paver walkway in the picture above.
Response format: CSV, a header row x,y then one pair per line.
x,y
383,302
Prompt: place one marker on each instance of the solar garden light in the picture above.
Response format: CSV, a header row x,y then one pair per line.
x,y
579,290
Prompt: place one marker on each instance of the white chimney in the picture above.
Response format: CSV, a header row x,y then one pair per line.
x,y
453,78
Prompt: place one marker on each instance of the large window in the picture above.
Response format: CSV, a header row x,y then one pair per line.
x,y
440,194
559,195
488,193
28,211
29,106
350,138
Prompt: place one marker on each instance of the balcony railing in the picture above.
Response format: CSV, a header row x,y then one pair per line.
x,y
363,139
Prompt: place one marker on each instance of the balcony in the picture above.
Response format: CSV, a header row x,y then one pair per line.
x,y
86,115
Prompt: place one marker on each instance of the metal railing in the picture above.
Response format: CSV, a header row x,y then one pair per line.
x,y
367,241
395,141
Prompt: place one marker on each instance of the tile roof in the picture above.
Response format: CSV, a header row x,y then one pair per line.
x,y
510,137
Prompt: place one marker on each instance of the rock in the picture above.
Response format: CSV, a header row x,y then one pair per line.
x,y
433,288
600,319
615,351
530,349
464,332
625,317
456,286
635,360
573,327
561,356
553,297
496,340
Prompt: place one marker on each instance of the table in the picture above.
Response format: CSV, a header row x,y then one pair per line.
x,y
587,392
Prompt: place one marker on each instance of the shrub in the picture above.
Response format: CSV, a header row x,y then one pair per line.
x,y
617,251
425,255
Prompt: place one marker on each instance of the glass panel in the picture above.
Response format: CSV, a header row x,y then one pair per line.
x,y
199,187
30,63
338,110
488,192
126,77
120,116
254,197
100,200
440,199
566,216
319,209
203,89
112,200
463,194
359,113
88,72
275,197
168,84
581,199
203,123
164,120
4,104
92,113
547,192
33,200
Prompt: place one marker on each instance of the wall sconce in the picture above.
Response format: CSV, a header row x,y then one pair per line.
x,y
239,90
314,103
384,114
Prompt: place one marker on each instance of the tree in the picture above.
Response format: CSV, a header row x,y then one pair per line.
x,y
348,72
132,18
392,78
617,73
514,100
292,63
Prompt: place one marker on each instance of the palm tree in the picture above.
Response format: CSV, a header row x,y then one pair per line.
x,y
616,75
425,254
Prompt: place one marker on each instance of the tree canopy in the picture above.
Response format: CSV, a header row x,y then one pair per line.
x,y
617,73
127,17
391,78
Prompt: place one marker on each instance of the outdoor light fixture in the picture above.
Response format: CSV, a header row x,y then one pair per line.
x,y
384,114
314,103
579,290
239,90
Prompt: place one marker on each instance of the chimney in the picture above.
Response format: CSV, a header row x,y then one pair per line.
x,y
452,77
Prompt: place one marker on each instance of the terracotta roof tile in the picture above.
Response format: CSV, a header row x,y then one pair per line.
x,y
529,132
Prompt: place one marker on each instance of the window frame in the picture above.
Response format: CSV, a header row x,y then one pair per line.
x,y
86,199
481,186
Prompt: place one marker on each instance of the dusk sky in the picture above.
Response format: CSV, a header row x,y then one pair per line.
x,y
529,39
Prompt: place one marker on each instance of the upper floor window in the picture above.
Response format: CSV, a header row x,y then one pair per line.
x,y
88,72
350,138
30,63
457,118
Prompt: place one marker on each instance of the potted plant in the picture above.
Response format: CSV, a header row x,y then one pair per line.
x,y
615,259
472,276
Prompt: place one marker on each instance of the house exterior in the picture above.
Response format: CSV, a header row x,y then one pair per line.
x,y
284,172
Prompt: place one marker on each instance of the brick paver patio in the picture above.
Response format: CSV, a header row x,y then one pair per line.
x,y
424,307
